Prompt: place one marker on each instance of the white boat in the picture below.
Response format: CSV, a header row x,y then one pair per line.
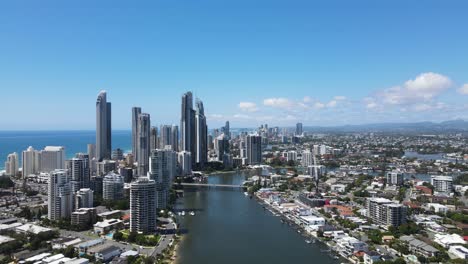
x,y
183,213
308,241
192,213
246,193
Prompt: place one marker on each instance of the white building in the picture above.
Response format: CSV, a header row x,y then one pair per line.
x,y
185,163
385,212
52,158
162,170
31,159
143,206
307,158
394,178
84,198
11,164
459,252
448,240
291,155
60,197
442,183
112,187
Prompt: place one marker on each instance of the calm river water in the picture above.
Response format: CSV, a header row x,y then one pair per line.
x,y
228,227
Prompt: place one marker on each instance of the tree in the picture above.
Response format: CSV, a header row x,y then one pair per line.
x,y
118,236
132,237
70,252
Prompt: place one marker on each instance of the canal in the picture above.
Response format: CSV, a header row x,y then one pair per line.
x,y
228,227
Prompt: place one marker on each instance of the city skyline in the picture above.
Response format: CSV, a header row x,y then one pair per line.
x,y
250,62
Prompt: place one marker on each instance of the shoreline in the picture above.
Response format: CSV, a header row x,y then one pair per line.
x,y
301,230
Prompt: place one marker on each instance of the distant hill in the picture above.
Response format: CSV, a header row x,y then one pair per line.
x,y
417,127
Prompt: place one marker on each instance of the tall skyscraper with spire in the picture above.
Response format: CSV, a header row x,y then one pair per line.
x,y
103,127
187,124
136,111
201,135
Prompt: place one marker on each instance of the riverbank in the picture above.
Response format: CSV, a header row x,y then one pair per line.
x,y
295,223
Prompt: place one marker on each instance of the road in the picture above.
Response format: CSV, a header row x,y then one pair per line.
x,y
166,239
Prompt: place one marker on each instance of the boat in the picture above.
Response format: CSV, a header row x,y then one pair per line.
x,y
308,241
336,257
179,213
192,213
183,213
246,193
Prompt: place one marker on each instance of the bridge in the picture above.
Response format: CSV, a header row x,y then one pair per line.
x,y
212,185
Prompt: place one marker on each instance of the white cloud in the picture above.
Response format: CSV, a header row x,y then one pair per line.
x,y
307,99
463,89
248,107
332,103
280,102
339,98
319,105
424,87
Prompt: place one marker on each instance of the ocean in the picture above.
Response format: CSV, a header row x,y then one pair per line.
x,y
73,141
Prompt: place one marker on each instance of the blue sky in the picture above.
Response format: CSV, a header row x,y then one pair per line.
x,y
251,62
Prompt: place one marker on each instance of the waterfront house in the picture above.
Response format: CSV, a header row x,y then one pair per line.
x,y
348,245
371,257
449,240
419,247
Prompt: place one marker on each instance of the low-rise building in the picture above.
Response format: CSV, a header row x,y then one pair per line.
x,y
459,252
106,253
107,225
419,247
84,217
449,240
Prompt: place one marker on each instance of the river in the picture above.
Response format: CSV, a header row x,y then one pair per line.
x,y
228,227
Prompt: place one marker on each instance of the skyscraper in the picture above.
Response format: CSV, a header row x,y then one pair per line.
x,y
254,149
185,163
84,198
143,146
60,198
31,159
154,138
112,187
299,129
227,130
136,111
52,158
187,124
162,171
79,171
166,137
142,206
175,138
201,135
103,127
11,164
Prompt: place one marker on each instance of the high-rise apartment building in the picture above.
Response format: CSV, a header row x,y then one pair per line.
x,y
60,197
185,163
154,138
187,125
79,171
299,130
136,111
142,206
394,178
52,158
442,184
162,170
201,135
112,187
84,198
143,146
31,159
385,212
11,164
103,127
254,149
